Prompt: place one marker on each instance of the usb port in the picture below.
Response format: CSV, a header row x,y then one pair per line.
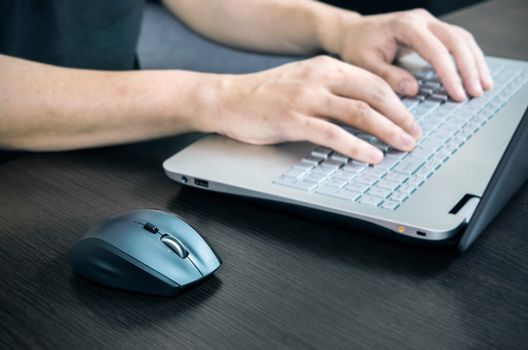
x,y
201,183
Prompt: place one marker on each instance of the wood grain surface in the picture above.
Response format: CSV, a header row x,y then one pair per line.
x,y
286,281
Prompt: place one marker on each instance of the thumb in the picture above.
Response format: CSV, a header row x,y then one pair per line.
x,y
398,78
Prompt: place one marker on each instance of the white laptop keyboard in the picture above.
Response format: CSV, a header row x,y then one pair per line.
x,y
446,125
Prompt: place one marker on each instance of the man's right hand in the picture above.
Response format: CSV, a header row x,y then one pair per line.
x,y
298,101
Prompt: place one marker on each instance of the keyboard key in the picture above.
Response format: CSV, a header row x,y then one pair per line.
x,y
419,154
394,153
331,164
325,171
442,112
407,188
344,175
336,192
396,177
334,182
339,157
420,97
452,106
388,163
425,73
426,91
367,179
428,145
365,137
322,152
416,181
409,165
355,167
313,159
432,85
389,204
304,185
285,181
374,171
294,172
388,184
439,97
410,102
399,196
315,177
356,187
370,200
424,172
379,192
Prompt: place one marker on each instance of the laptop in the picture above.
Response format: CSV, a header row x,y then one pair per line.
x,y
469,162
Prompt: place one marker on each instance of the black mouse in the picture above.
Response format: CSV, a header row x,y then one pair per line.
x,y
147,251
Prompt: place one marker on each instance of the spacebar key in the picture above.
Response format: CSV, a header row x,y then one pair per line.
x,y
409,165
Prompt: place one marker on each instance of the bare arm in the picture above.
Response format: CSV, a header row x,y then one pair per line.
x,y
292,26
44,107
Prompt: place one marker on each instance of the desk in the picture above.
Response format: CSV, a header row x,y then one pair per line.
x,y
286,282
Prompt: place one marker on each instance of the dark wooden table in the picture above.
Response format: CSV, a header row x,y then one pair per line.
x,y
286,282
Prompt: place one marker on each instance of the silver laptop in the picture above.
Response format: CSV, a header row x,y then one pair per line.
x,y
429,195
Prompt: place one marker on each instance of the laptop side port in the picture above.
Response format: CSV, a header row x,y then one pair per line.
x,y
201,183
420,233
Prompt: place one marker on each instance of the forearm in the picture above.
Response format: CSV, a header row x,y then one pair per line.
x,y
281,26
45,107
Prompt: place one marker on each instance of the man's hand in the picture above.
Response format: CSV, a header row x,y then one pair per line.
x,y
297,101
372,42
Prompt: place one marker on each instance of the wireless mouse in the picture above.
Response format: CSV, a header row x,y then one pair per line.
x,y
147,251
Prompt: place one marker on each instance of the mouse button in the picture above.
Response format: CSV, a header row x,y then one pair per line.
x,y
111,228
199,250
174,245
181,271
205,260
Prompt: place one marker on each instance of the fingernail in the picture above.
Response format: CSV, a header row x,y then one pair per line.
x,y
407,141
489,81
460,92
375,155
406,88
478,87
416,130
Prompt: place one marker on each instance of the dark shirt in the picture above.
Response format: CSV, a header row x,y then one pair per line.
x,y
94,34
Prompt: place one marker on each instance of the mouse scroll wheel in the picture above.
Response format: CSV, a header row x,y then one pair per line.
x,y
151,227
174,245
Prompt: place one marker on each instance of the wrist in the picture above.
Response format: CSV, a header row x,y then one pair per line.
x,y
205,102
331,25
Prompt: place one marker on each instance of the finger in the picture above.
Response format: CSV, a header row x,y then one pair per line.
x,y
359,114
457,42
359,84
326,134
433,51
399,79
485,75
